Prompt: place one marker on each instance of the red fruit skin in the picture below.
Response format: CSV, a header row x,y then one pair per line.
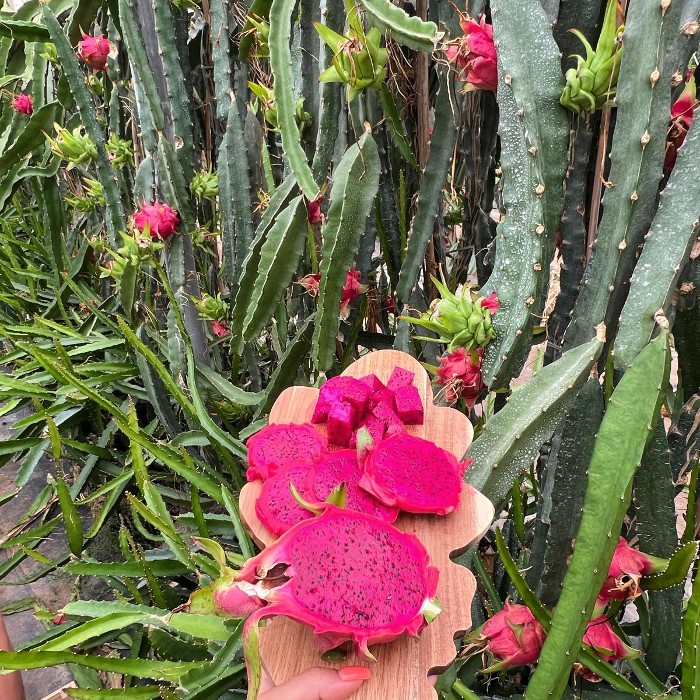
x,y
382,575
341,467
599,635
514,636
276,507
94,51
412,474
627,567
278,445
162,220
409,406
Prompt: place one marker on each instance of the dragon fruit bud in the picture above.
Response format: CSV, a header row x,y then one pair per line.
x,y
460,319
276,507
412,474
593,83
313,209
382,575
278,445
409,406
351,290
512,636
341,467
600,635
627,567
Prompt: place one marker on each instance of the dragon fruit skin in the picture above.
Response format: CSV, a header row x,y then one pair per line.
x,y
413,474
349,576
278,445
341,467
276,507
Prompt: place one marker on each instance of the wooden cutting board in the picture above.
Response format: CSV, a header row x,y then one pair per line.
x,y
403,666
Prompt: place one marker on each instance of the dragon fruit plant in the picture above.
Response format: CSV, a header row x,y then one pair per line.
x,y
203,204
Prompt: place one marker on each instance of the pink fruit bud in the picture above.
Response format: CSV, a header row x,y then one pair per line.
x,y
94,51
351,290
162,220
514,637
682,112
23,104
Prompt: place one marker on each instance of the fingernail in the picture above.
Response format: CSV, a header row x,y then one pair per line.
x,y
354,673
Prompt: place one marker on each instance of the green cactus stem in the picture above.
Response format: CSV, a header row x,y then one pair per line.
x,y
534,135
667,245
636,160
632,413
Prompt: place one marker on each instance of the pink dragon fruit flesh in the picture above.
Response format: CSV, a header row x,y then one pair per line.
x,y
409,407
350,576
276,507
413,474
399,377
342,419
341,467
341,389
281,444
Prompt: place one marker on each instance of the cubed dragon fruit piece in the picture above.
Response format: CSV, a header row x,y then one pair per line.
x,y
341,422
341,389
409,406
400,377
373,382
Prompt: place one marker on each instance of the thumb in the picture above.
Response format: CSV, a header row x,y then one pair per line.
x,y
320,684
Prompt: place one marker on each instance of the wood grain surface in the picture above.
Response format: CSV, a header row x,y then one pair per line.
x,y
403,666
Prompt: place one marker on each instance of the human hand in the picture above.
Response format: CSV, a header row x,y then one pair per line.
x,y
316,684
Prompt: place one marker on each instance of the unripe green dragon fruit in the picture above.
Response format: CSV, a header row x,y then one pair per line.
x,y
72,146
462,320
593,83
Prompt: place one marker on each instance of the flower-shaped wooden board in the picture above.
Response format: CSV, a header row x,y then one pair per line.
x,y
403,666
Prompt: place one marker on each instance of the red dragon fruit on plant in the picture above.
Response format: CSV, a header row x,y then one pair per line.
x,y
382,576
279,445
276,507
413,474
341,467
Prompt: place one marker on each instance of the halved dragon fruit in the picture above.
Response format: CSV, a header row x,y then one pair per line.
x,y
413,474
276,506
349,576
282,444
341,467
